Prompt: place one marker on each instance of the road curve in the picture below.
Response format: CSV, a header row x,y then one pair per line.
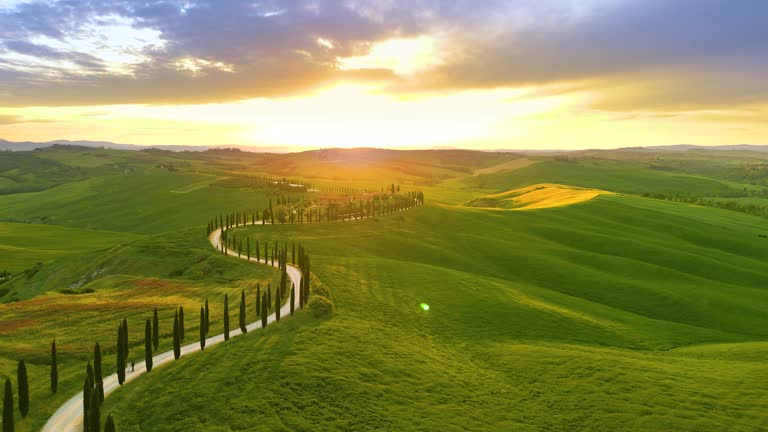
x,y
69,417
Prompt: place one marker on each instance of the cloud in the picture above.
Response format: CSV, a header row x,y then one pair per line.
x,y
650,52
7,119
682,52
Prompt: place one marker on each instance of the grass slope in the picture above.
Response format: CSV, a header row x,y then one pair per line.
x,y
140,202
163,271
23,245
616,176
617,314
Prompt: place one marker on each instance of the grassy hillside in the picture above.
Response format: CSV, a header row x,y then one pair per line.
x,y
620,313
617,176
126,281
147,202
615,313
24,245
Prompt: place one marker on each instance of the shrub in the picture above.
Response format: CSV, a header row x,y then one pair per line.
x,y
320,306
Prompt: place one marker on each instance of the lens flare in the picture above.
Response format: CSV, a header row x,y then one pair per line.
x,y
424,306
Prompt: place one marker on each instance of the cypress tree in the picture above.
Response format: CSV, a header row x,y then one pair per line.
x,y
125,340
148,345
264,311
277,308
248,248
258,257
89,376
301,293
97,372
181,323
8,407
207,318
23,383
269,295
87,393
258,299
54,368
293,298
155,330
226,317
243,329
94,416
202,328
109,425
120,356
176,337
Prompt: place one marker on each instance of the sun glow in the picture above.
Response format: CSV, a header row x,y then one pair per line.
x,y
402,56
371,116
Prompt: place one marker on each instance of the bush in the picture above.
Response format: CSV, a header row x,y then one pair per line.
x,y
320,289
320,306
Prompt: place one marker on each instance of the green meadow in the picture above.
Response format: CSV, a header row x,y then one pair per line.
x,y
620,313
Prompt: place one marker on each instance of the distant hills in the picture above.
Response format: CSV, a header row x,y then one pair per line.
x,y
30,145
686,147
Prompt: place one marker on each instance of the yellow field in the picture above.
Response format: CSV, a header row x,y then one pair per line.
x,y
542,195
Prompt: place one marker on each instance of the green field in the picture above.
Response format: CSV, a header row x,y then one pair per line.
x,y
621,313
24,245
579,318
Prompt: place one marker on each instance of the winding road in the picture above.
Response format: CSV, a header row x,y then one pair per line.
x,y
69,417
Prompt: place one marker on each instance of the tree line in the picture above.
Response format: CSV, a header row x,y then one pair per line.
x,y
363,208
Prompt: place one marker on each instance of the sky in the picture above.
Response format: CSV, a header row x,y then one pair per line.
x,y
491,74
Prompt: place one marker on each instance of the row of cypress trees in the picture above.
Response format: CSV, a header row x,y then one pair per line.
x,y
347,209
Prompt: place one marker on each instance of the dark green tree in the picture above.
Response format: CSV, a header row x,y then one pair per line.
x,y
23,383
97,371
87,393
109,425
8,425
293,298
264,311
243,328
207,318
94,416
125,339
277,308
226,317
148,345
90,376
54,368
155,330
258,299
120,356
176,336
181,323
202,328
